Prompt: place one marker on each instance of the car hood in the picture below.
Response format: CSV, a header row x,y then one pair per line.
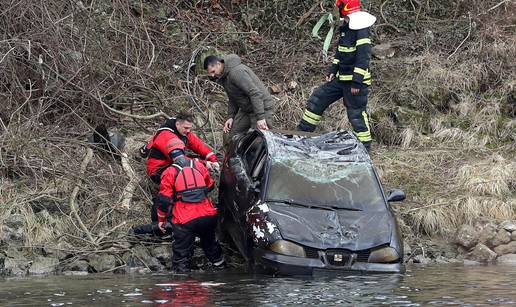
x,y
323,229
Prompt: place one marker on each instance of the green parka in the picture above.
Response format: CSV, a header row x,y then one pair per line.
x,y
246,92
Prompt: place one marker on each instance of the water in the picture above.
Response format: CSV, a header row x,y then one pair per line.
x,y
433,285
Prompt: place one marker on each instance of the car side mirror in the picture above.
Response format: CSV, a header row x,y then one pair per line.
x,y
396,195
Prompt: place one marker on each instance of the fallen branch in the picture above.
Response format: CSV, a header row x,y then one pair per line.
x,y
129,189
73,205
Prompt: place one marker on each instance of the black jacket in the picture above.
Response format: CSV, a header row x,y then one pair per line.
x,y
351,62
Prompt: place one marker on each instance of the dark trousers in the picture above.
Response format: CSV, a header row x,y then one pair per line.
x,y
184,238
356,107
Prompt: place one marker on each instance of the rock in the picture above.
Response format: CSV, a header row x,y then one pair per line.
x,y
513,236
75,273
276,89
14,267
504,249
482,253
292,85
60,251
43,266
507,259
140,257
510,226
103,262
163,253
383,51
407,250
487,233
79,265
502,237
467,236
420,259
15,221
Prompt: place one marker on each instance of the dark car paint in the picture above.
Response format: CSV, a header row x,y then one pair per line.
x,y
243,206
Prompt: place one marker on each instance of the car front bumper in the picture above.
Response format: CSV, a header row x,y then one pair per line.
x,y
288,265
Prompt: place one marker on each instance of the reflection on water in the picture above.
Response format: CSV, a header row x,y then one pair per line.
x,y
439,285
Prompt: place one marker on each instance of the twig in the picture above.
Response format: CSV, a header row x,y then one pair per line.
x,y
464,40
99,240
494,7
383,16
306,15
73,205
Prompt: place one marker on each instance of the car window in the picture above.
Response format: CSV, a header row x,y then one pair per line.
x,y
252,152
339,185
258,168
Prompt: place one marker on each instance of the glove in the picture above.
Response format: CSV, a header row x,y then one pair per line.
x,y
144,151
213,166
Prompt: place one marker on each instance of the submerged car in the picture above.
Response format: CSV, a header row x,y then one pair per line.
x,y
296,203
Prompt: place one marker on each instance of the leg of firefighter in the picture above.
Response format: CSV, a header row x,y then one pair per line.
x,y
205,229
320,99
356,108
182,247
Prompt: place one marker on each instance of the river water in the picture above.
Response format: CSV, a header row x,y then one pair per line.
x,y
431,285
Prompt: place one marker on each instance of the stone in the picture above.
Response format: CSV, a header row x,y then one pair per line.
x,y
481,253
421,260
513,236
507,259
14,267
60,250
15,221
163,253
509,248
75,273
510,226
383,51
502,237
102,262
10,234
487,233
140,257
43,266
467,236
79,265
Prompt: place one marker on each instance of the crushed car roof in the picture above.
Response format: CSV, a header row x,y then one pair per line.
x,y
336,146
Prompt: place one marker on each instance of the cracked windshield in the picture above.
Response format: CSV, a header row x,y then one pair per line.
x,y
311,182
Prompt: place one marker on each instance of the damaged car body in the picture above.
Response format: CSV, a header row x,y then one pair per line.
x,y
297,203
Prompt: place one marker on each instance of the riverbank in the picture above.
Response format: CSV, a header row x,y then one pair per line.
x,y
442,105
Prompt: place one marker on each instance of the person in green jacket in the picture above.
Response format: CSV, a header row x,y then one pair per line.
x,y
250,103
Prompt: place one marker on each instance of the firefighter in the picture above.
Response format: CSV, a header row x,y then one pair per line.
x,y
183,195
250,103
349,76
169,142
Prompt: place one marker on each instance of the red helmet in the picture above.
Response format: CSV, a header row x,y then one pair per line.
x,y
347,7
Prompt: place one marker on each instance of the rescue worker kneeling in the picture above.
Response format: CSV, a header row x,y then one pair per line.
x,y
183,192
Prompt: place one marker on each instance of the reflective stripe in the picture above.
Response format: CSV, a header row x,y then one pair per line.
x,y
364,136
336,61
361,71
363,41
312,115
310,121
347,49
345,77
209,155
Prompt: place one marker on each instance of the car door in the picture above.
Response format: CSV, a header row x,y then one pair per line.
x,y
247,186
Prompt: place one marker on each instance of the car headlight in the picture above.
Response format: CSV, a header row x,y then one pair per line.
x,y
384,255
287,248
